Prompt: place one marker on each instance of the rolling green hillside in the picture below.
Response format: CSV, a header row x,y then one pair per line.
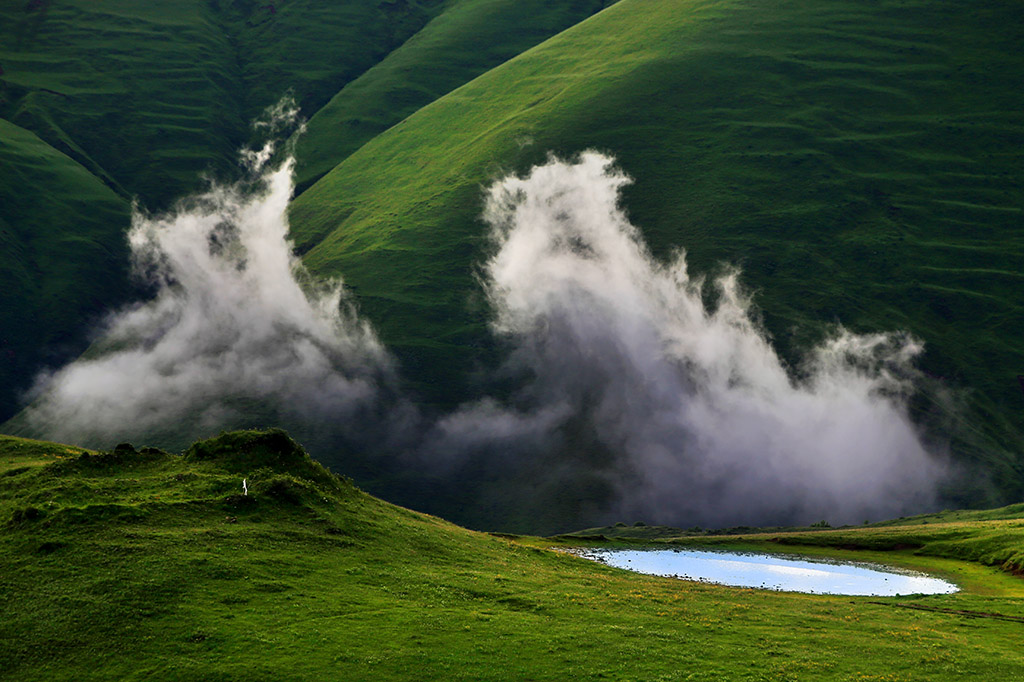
x,y
133,564
145,97
859,161
468,38
149,97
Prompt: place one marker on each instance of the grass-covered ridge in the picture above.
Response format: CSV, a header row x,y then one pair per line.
x,y
858,161
123,100
105,103
467,39
150,95
139,563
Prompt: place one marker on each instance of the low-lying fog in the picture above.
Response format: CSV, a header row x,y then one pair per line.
x,y
667,375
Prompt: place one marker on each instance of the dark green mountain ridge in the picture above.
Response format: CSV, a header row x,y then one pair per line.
x,y
149,97
859,161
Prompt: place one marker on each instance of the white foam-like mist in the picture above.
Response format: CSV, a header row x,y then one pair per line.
x,y
637,396
702,419
235,328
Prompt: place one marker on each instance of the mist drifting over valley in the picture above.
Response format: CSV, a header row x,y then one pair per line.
x,y
658,386
237,330
701,417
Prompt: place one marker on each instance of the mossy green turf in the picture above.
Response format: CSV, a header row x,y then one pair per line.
x,y
860,162
140,564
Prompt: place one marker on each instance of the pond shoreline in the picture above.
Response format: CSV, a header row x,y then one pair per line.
x,y
771,571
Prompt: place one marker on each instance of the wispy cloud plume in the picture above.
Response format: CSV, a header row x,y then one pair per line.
x,y
641,391
236,333
699,419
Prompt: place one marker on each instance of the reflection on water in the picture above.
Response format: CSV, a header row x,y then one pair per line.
x,y
772,572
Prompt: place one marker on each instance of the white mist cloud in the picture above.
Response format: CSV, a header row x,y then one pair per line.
x,y
702,419
236,328
632,386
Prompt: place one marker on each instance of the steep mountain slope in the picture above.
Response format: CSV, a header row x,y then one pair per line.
x,y
133,564
467,39
64,260
145,97
150,97
860,162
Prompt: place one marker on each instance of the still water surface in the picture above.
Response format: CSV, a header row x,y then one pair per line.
x,y
773,572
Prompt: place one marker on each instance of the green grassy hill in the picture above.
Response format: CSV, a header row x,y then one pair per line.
x,y
467,39
150,97
134,564
859,161
145,97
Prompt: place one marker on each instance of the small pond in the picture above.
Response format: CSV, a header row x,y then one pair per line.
x,y
773,572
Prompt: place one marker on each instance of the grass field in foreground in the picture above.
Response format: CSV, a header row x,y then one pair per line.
x,y
138,564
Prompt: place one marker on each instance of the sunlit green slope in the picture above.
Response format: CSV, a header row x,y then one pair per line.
x,y
468,38
149,97
860,161
140,564
63,260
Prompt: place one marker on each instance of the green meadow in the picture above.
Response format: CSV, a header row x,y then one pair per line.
x,y
133,564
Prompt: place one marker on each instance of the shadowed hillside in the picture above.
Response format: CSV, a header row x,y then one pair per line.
x,y
151,97
858,162
64,260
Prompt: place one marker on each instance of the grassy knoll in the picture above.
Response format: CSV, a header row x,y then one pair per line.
x,y
858,160
138,564
64,260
